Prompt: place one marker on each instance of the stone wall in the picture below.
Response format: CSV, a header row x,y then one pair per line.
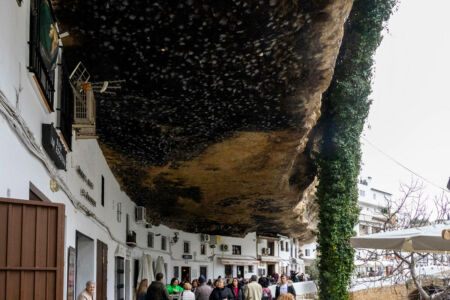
x,y
396,292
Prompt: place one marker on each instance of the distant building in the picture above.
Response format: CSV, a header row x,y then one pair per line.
x,y
373,207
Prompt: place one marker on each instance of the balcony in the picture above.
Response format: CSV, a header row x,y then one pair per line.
x,y
131,239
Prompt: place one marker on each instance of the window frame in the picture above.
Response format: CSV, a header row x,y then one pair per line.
x,y
235,249
188,244
163,243
150,237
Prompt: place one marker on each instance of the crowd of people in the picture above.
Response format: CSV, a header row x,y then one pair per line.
x,y
199,289
229,289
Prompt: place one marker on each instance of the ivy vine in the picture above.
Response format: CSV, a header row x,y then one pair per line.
x,y
345,108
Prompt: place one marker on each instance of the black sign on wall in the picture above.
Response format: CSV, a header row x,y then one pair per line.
x,y
53,146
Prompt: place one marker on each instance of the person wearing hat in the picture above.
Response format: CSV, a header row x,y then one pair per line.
x,y
203,291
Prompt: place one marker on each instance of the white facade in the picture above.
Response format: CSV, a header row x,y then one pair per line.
x,y
373,205
25,166
279,255
373,209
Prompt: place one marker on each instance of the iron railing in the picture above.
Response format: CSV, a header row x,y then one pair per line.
x,y
45,78
66,108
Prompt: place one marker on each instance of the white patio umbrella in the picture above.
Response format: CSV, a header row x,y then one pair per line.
x,y
146,268
417,239
160,267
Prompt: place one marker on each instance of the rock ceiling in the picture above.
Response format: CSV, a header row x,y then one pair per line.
x,y
214,127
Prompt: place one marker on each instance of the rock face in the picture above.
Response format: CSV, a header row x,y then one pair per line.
x,y
214,128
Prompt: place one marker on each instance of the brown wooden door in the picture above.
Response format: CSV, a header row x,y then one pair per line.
x,y
102,262
31,250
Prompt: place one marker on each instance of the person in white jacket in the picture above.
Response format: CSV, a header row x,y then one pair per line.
x,y
187,293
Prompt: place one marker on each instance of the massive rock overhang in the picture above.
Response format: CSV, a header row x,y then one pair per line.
x,y
214,128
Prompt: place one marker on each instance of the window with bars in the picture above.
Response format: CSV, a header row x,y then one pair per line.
x,y
65,107
43,48
120,283
187,247
236,250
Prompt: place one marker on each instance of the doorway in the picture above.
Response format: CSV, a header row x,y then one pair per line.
x,y
185,273
270,269
204,271
85,261
102,263
31,250
240,271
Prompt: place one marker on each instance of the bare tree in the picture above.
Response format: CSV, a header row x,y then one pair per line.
x,y
412,209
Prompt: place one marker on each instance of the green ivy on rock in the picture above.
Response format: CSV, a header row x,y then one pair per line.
x,y
345,108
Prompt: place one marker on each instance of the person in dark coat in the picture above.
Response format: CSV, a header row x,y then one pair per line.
x,y
284,287
157,290
204,290
236,289
221,292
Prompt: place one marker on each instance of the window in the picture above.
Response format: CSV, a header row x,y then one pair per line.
x,y
176,272
202,249
103,191
362,193
187,247
204,271
65,107
163,243
120,283
236,250
307,252
228,270
150,239
282,246
287,247
119,212
43,49
261,272
250,269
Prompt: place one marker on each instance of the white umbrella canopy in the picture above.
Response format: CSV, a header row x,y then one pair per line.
x,y
146,268
160,267
428,239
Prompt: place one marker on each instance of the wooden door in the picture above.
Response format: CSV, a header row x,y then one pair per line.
x,y
31,250
102,262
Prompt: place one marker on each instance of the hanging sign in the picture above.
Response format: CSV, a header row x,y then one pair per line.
x,y
53,146
48,36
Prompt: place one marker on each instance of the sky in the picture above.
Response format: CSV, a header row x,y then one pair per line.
x,y
409,119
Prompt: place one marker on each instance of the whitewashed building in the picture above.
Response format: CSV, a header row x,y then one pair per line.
x,y
373,207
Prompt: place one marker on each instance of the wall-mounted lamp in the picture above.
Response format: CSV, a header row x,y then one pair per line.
x,y
174,240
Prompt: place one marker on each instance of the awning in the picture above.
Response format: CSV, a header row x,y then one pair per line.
x,y
308,261
120,251
274,259
428,239
297,261
239,260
